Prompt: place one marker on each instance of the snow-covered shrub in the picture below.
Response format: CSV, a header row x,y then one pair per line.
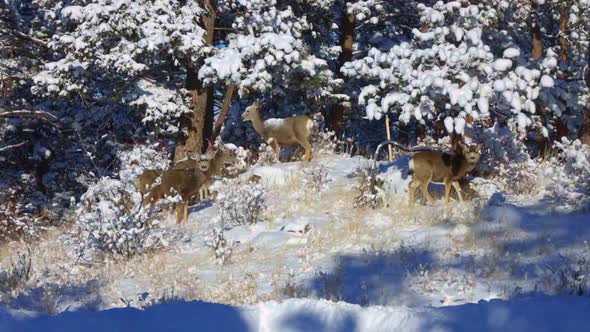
x,y
575,157
316,178
570,274
111,222
141,157
220,246
242,159
266,156
242,204
370,188
14,220
519,178
499,148
323,142
16,275
505,159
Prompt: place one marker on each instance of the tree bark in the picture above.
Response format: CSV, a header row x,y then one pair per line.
x,y
536,54
196,127
227,99
564,16
336,117
537,51
585,128
584,133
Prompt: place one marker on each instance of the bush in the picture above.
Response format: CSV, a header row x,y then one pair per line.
x,y
316,178
575,158
266,156
17,274
110,221
242,204
14,220
109,217
220,246
323,142
370,188
570,275
500,149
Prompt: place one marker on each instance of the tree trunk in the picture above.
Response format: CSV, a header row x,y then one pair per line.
x,y
564,16
585,128
227,99
536,54
336,117
584,133
537,51
196,127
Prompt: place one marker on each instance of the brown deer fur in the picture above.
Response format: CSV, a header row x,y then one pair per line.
x,y
436,166
276,132
187,181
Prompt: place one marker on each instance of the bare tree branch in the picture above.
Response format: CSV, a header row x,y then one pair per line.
x,y
29,114
13,146
21,35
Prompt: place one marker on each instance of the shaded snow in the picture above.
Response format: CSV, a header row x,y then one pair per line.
x,y
527,314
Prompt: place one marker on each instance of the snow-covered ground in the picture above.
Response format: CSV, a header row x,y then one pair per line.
x,y
529,314
317,245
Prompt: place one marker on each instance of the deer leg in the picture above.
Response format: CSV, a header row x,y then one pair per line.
x,y
457,187
203,193
277,149
304,142
307,147
185,212
178,213
412,190
447,191
424,190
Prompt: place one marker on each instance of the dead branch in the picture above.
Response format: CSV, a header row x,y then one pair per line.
x,y
29,114
13,146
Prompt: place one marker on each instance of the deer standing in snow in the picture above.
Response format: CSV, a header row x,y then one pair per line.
x,y
438,166
432,165
186,178
276,132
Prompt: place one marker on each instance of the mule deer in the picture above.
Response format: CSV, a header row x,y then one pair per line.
x,y
437,166
186,180
276,132
145,180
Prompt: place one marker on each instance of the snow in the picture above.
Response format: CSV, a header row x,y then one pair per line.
x,y
431,268
459,125
510,53
526,314
449,124
547,81
502,64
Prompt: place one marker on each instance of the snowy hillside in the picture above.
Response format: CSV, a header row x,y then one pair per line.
x,y
317,244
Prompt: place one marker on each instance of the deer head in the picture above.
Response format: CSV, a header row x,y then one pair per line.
x,y
472,153
251,112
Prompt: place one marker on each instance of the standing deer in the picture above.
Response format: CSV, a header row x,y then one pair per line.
x,y
186,181
276,132
145,180
432,165
437,166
